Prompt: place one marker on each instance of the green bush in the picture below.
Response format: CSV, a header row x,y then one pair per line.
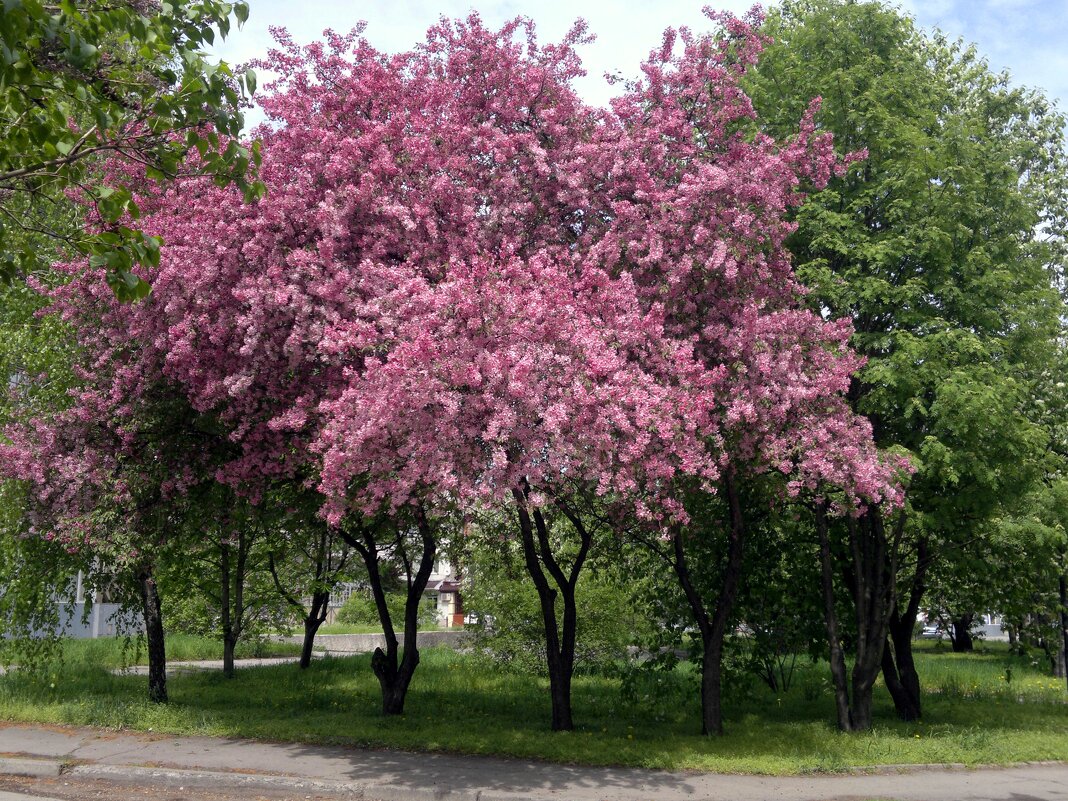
x,y
360,610
510,632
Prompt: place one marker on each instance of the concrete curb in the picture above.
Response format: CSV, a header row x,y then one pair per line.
x,y
35,768
184,777
921,767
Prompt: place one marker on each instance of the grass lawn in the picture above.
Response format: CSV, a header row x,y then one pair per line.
x,y
972,714
113,652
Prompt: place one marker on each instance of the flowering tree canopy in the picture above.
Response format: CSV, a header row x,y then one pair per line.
x,y
465,277
467,286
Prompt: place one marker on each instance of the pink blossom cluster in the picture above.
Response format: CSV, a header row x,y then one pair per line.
x,y
464,278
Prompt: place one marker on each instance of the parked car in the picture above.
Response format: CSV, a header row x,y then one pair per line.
x,y
931,632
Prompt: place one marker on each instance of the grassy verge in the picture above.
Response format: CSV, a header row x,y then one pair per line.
x,y
114,652
973,715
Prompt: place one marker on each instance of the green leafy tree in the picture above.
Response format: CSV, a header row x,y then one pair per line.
x,y
125,81
36,354
942,246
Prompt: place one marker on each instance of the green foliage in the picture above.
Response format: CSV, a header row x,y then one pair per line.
x,y
931,244
510,630
81,81
779,604
359,609
35,372
33,572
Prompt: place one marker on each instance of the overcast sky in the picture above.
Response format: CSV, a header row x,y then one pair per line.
x,y
1027,37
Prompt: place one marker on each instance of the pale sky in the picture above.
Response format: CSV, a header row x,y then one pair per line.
x,y
1028,37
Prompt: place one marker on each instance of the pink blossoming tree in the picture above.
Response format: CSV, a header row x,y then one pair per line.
x,y
468,288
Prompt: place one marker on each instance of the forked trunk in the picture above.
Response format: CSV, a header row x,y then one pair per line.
x,y
560,654
393,667
870,577
899,666
313,620
559,639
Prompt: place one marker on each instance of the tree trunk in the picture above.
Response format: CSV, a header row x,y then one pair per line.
x,y
154,636
899,670
1063,586
393,667
229,641
961,635
714,628
315,618
870,575
873,571
860,712
830,615
899,666
712,687
559,638
229,647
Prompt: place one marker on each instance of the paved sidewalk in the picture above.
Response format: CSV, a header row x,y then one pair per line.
x,y
402,776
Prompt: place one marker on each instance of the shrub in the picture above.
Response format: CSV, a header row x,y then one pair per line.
x,y
360,610
511,634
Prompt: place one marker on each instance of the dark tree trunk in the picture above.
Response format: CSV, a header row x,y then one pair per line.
x,y
872,570
899,670
1063,586
315,615
899,666
961,634
837,655
229,648
559,638
315,618
154,636
394,667
229,640
714,628
870,577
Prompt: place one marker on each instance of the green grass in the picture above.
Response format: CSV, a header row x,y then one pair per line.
x,y
972,715
114,652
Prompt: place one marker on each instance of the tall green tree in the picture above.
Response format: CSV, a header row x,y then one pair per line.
x,y
942,245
